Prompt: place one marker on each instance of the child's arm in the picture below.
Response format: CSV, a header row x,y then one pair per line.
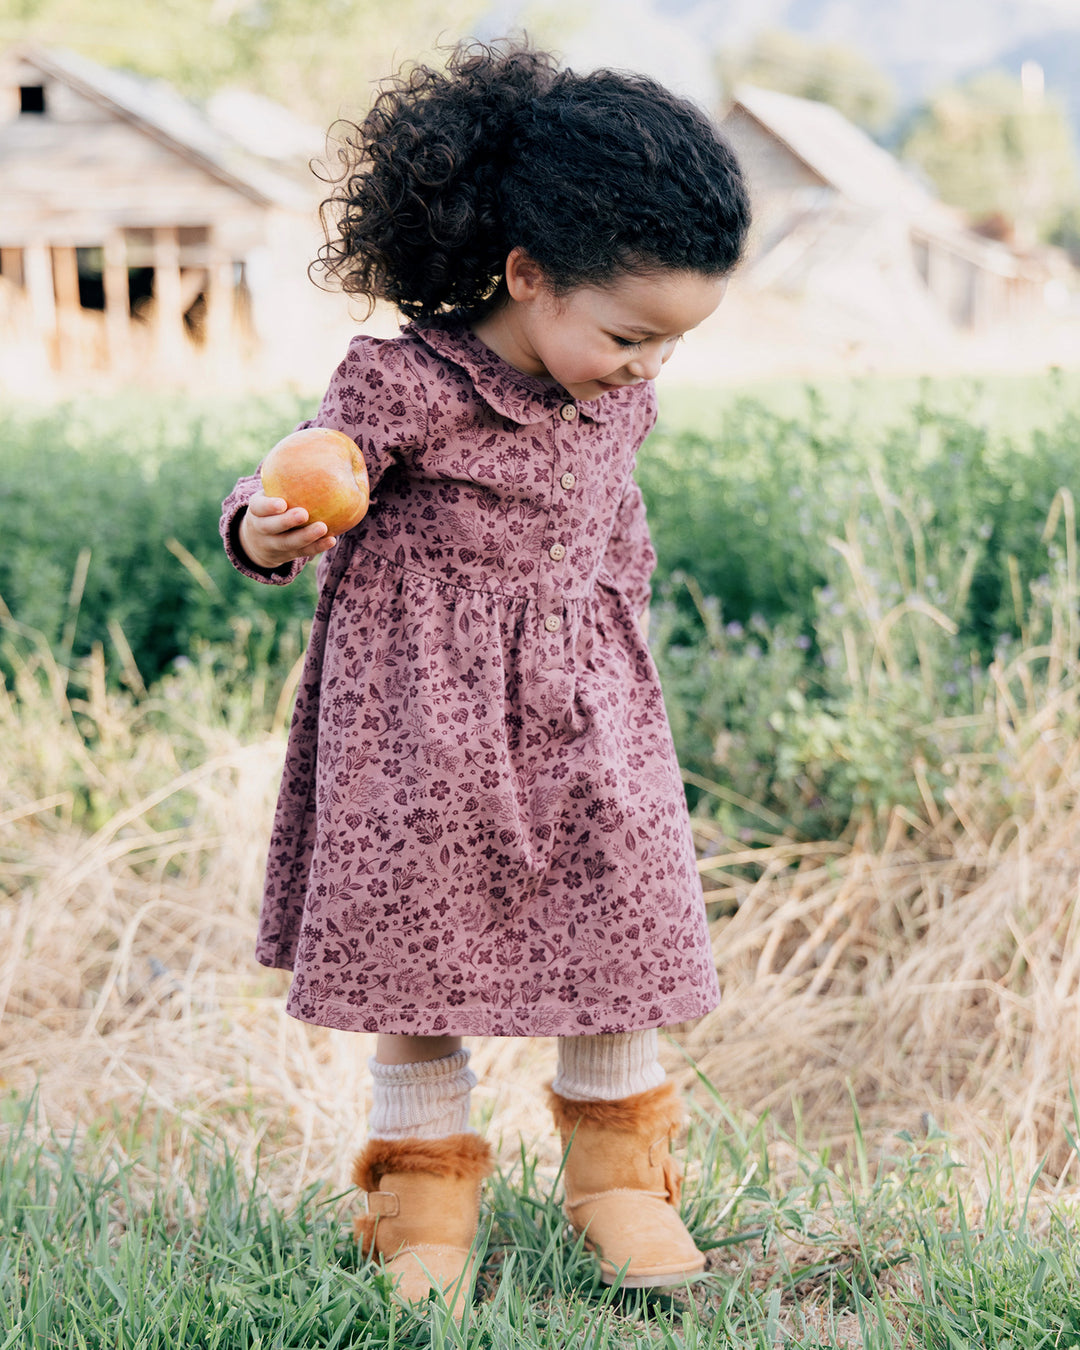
x,y
375,398
629,558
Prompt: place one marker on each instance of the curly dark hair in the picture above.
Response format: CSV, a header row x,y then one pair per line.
x,y
592,175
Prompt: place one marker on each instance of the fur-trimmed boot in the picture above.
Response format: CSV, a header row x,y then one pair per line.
x,y
623,1185
423,1206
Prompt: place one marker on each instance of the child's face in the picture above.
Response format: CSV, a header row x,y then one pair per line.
x,y
598,338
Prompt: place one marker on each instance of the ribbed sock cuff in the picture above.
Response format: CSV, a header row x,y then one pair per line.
x,y
608,1067
425,1100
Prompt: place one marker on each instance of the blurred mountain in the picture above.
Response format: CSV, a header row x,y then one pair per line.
x,y
921,43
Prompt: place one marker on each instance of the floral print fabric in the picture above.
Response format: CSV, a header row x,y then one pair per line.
x,y
481,828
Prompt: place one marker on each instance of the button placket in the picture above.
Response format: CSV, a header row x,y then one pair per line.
x,y
549,595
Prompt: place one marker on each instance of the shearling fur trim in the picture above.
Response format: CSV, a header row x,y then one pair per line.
x,y
650,1112
456,1156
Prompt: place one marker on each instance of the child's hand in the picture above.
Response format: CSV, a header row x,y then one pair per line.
x,y
272,534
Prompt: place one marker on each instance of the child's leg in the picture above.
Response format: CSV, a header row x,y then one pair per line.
x,y
616,1114
422,1167
420,1087
413,1049
607,1068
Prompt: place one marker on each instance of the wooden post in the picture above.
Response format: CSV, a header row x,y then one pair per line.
x,y
11,265
168,309
979,307
37,266
117,301
219,309
65,270
65,265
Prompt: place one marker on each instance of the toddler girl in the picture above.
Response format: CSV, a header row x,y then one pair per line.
x,y
481,829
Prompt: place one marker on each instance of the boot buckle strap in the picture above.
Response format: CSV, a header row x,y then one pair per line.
x,y
669,1167
661,1146
383,1203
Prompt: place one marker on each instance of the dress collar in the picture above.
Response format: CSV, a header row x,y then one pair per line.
x,y
511,393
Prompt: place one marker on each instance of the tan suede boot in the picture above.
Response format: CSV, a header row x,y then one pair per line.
x,y
423,1206
623,1185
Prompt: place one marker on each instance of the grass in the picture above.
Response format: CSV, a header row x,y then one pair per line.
x,y
100,1248
1011,406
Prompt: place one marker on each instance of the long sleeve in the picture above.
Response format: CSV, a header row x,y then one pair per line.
x,y
630,558
375,397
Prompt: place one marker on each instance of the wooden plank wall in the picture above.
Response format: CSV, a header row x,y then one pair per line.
x,y
81,176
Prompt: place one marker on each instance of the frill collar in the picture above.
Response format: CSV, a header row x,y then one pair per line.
x,y
510,392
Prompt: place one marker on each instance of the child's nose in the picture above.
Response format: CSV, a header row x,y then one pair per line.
x,y
646,365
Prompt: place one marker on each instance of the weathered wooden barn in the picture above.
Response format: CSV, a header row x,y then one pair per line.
x,y
136,240
835,213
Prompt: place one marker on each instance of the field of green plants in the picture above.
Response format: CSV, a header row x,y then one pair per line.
x,y
826,595
867,624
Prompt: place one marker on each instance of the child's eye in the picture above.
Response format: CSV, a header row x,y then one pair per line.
x,y
626,342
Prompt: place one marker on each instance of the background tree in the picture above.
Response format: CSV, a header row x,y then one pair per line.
x,y
828,72
999,151
319,57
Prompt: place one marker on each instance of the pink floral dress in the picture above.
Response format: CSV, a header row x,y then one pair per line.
x,y
481,828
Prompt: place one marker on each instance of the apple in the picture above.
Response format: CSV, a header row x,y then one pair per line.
x,y
323,471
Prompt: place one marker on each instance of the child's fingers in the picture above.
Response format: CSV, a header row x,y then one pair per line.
x,y
304,536
262,505
304,542
275,516
293,521
322,545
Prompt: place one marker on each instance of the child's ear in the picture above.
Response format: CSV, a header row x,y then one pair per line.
x,y
524,277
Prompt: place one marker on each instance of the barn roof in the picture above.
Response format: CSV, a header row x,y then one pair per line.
x,y
859,169
160,111
836,150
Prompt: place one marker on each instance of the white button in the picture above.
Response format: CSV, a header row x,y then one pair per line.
x,y
567,412
556,553
568,480
553,623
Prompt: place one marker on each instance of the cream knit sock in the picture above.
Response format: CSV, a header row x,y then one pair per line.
x,y
426,1100
608,1068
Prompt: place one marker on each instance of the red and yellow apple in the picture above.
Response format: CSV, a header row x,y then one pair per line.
x,y
323,471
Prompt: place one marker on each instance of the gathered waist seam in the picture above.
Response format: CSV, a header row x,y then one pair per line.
x,y
529,597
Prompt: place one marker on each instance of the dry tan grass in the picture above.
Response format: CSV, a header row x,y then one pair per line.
x,y
935,977
938,973
128,989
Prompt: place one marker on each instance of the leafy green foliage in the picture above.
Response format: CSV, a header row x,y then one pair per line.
x,y
134,489
319,57
995,152
748,510
828,607
825,595
828,72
